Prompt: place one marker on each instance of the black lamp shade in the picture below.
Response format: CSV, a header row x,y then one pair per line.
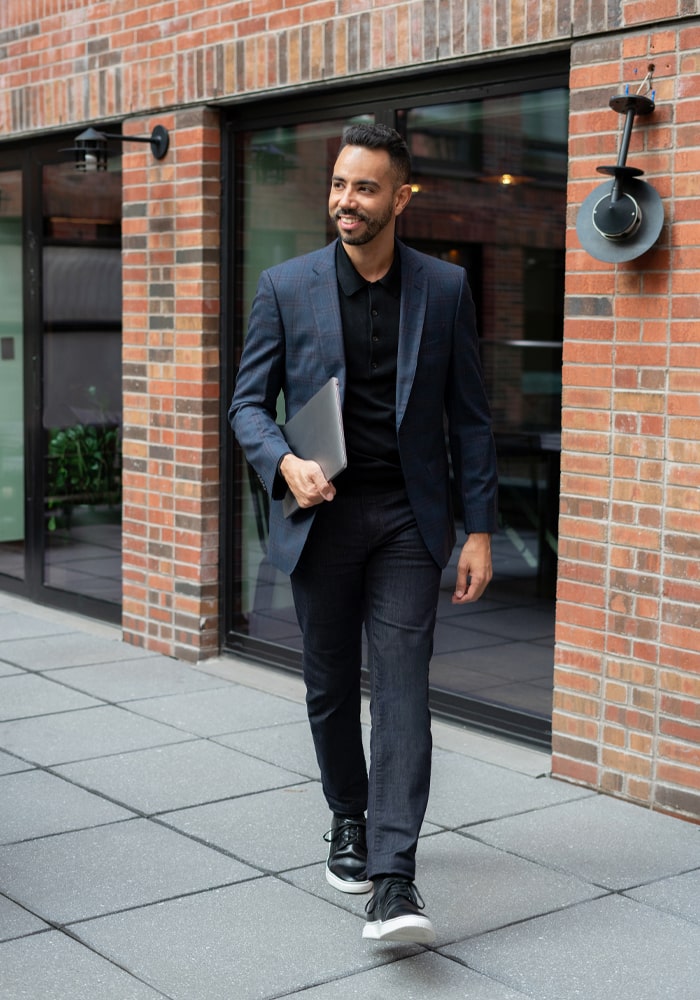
x,y
622,230
90,150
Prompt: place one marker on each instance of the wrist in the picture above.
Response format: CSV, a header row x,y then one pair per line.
x,y
284,463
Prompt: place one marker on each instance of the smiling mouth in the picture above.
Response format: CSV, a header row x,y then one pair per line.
x,y
349,217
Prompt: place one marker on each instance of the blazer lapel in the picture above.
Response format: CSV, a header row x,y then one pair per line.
x,y
413,305
323,293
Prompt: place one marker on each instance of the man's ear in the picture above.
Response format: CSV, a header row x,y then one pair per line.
x,y
402,198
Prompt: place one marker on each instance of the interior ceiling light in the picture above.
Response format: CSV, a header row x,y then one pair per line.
x,y
506,180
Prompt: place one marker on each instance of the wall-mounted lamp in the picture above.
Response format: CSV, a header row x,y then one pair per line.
x,y
624,218
90,150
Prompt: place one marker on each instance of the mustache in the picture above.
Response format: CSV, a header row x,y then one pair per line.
x,y
351,213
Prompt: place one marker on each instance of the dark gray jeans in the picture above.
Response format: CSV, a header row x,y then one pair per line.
x,y
365,563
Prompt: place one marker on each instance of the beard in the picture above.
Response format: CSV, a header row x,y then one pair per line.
x,y
373,226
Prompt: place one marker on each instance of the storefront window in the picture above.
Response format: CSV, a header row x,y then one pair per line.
x,y
489,195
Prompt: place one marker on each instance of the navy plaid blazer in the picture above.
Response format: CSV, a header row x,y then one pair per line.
x,y
295,344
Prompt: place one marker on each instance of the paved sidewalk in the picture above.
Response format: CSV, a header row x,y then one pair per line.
x,y
161,836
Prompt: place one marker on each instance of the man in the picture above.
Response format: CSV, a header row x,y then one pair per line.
x,y
397,329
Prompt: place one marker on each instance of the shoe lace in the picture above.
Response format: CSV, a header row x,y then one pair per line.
x,y
345,833
394,888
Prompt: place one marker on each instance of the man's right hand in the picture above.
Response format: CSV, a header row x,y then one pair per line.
x,y
306,481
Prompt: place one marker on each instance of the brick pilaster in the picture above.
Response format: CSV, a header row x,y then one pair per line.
x,y
171,387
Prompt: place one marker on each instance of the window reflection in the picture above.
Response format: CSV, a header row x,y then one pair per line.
x,y
82,405
11,377
490,180
285,175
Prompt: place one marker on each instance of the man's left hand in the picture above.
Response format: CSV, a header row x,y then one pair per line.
x,y
474,569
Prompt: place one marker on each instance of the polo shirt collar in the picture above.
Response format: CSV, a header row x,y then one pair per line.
x,y
351,281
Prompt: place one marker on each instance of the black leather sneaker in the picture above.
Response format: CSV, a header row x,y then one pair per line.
x,y
393,913
346,867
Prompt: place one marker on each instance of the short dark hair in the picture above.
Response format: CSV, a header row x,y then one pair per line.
x,y
381,137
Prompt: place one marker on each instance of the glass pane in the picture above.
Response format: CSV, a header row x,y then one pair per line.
x,y
490,194
283,210
82,406
11,377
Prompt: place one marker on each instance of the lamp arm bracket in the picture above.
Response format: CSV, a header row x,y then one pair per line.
x,y
159,140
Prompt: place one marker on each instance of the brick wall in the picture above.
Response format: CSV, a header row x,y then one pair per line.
x,y
627,683
627,699
66,61
171,375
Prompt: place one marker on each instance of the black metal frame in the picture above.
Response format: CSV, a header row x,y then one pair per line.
x,y
386,99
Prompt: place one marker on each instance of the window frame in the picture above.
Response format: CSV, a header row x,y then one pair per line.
x,y
385,100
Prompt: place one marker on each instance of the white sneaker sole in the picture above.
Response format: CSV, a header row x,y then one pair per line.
x,y
416,930
356,888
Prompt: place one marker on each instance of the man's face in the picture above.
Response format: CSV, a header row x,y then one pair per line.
x,y
365,197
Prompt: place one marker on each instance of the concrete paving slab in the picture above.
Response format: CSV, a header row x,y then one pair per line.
x,y
90,732
679,894
11,765
251,941
507,753
504,752
66,649
491,749
600,839
7,670
288,746
611,947
221,711
128,680
25,695
419,977
312,879
13,604
36,804
467,889
283,683
16,922
464,791
163,778
274,830
16,625
54,967
73,876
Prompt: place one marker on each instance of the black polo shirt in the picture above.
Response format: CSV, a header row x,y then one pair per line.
x,y
370,316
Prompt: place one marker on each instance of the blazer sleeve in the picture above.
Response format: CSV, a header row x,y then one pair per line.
x,y
260,379
471,439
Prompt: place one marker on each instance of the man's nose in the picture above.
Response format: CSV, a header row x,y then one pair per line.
x,y
347,199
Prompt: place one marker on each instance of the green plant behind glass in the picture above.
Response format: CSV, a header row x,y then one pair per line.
x,y
83,466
